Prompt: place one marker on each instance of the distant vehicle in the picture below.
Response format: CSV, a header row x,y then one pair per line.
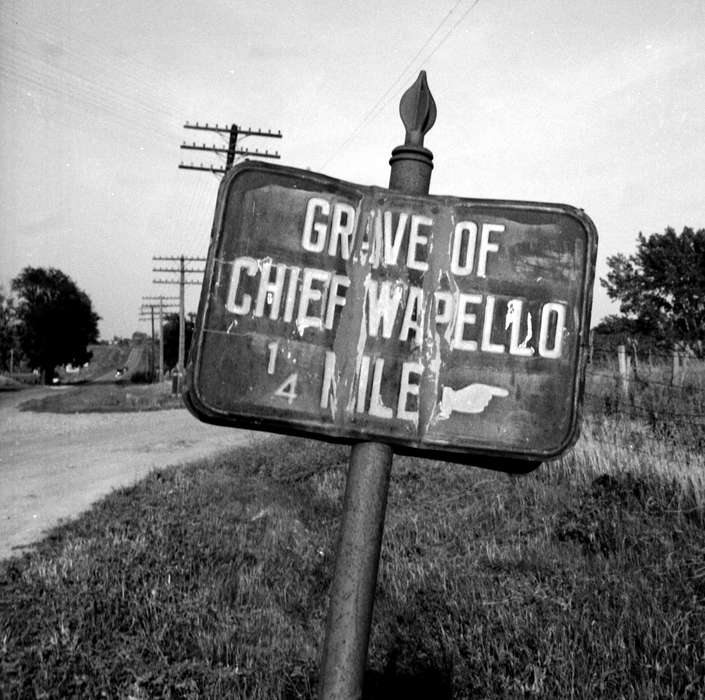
x,y
120,371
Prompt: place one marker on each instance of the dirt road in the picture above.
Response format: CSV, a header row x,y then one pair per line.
x,y
53,466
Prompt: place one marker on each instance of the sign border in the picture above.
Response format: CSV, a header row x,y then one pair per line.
x,y
498,459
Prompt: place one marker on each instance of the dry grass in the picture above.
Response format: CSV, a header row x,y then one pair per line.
x,y
584,579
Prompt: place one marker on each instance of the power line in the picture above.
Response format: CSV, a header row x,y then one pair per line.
x,y
384,99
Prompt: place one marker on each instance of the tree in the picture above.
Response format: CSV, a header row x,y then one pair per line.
x,y
8,332
171,339
55,318
662,287
613,331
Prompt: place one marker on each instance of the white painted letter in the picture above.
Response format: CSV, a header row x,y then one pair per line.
x,y
444,301
462,318
405,388
334,299
377,408
294,273
342,231
392,247
413,316
486,246
487,344
382,306
548,309
250,266
416,239
266,287
464,268
362,379
307,240
310,294
514,313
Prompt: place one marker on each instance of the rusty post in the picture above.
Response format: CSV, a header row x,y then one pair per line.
x,y
362,526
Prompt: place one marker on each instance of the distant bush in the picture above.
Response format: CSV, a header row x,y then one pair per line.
x,y
141,377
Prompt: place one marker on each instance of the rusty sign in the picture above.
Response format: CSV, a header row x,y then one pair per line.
x,y
450,326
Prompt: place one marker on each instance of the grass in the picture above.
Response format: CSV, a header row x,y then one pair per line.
x,y
584,579
106,398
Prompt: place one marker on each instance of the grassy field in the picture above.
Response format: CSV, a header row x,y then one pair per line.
x,y
106,398
585,579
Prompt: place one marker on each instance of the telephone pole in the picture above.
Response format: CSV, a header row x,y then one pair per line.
x,y
150,304
182,281
234,131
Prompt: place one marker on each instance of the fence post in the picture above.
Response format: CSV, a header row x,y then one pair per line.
x,y
675,371
623,362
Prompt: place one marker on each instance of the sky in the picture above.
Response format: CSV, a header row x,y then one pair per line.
x,y
600,105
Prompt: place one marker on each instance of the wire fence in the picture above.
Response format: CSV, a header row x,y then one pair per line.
x,y
660,394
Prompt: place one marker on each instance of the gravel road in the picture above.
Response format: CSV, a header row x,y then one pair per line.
x,y
54,466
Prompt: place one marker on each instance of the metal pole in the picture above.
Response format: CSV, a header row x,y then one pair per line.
x,y
362,526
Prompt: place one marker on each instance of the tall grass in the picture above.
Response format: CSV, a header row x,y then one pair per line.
x,y
584,579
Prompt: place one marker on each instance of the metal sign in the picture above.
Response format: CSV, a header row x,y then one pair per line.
x,y
448,326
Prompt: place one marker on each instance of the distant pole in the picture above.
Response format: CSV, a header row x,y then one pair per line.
x,y
151,354
182,281
182,320
151,302
362,526
161,340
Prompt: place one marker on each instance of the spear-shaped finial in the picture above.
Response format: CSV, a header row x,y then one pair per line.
x,y
418,111
412,163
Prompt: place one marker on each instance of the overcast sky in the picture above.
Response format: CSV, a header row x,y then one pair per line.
x,y
596,104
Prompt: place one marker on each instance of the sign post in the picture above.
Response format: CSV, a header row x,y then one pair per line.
x,y
355,578
392,320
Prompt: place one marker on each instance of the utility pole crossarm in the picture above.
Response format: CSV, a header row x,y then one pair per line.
x,y
175,282
205,169
172,269
234,132
238,152
178,258
225,129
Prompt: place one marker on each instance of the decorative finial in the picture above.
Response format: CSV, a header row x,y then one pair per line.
x,y
417,109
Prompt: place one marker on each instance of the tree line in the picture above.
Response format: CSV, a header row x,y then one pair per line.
x,y
47,320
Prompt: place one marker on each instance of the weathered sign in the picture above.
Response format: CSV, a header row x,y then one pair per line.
x,y
438,324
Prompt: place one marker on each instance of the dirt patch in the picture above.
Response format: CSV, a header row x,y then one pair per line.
x,y
54,466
